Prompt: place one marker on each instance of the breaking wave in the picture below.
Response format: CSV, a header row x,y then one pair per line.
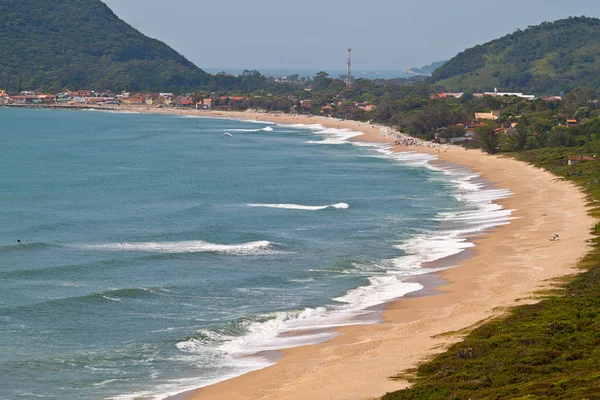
x,y
265,129
193,246
339,206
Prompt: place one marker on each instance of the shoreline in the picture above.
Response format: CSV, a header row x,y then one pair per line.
x,y
507,265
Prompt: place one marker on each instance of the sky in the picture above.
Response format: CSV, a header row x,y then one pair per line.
x,y
314,34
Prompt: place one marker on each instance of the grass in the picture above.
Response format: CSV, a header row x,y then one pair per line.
x,y
547,350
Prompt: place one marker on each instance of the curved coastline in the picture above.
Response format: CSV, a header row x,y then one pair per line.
x,y
508,265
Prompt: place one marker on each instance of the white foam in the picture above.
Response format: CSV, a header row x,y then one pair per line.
x,y
111,298
302,280
339,206
386,280
192,246
259,122
111,111
381,289
265,129
316,127
335,136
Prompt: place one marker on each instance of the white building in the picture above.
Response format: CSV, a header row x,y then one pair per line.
x,y
496,93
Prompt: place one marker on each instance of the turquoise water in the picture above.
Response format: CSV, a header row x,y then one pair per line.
x,y
157,251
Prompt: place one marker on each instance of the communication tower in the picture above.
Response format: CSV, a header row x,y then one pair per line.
x,y
349,74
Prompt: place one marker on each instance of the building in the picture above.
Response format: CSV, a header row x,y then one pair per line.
x,y
184,101
136,100
306,105
492,115
96,100
47,98
205,104
77,98
574,160
496,93
63,98
151,99
366,106
445,95
572,123
85,93
474,124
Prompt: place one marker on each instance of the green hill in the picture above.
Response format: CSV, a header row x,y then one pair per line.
x,y
543,59
53,44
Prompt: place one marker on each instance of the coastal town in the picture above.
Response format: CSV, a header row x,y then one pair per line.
x,y
203,101
460,133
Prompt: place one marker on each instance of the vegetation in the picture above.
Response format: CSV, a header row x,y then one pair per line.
x,y
546,59
53,44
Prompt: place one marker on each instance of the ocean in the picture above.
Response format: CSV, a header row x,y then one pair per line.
x,y
145,255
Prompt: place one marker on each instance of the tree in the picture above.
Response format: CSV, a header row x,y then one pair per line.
x,y
453,131
578,98
519,138
560,137
487,138
321,81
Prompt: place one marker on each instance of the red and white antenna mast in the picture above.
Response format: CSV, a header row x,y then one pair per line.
x,y
349,74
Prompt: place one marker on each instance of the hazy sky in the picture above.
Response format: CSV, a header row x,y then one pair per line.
x,y
314,34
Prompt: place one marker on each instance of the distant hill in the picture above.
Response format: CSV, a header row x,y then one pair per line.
x,y
427,69
544,59
82,44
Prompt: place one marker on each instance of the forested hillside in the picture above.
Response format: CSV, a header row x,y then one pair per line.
x,y
53,44
544,59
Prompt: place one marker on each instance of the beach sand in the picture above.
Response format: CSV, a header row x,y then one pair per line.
x,y
509,264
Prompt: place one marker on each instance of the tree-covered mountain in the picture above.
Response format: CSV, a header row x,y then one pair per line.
x,y
543,59
53,44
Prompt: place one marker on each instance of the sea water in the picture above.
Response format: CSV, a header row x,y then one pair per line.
x,y
163,253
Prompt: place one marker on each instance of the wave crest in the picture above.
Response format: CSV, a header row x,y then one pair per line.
x,y
339,206
265,129
192,246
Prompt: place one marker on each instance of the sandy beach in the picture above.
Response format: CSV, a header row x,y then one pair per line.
x,y
509,264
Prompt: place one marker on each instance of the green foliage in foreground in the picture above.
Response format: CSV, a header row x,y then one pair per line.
x,y
549,350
